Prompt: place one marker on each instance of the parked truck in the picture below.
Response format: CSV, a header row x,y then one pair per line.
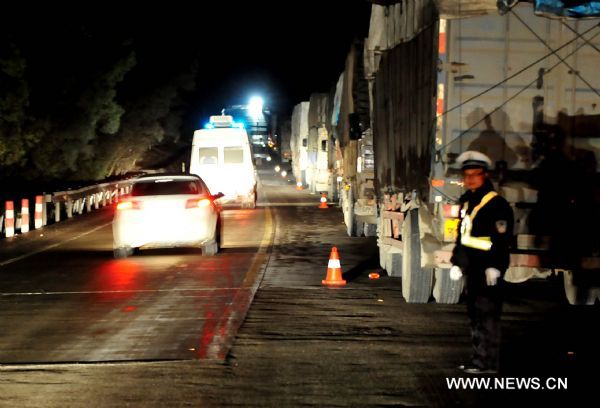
x,y
424,87
319,168
299,141
354,164
285,149
521,89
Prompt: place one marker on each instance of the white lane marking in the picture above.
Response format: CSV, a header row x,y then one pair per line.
x,y
27,255
49,366
290,204
92,292
302,287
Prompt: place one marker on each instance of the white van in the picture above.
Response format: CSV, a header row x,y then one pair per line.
x,y
221,156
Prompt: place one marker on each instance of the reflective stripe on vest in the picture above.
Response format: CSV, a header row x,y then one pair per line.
x,y
482,243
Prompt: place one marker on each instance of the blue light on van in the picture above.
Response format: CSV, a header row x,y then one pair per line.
x,y
239,125
209,126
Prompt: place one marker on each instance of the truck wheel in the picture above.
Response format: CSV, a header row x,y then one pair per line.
x,y
577,295
370,230
416,281
251,203
445,290
122,252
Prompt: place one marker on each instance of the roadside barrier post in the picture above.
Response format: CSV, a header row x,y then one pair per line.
x,y
39,210
24,215
69,208
57,211
9,219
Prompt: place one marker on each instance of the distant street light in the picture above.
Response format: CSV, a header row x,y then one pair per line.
x,y
255,107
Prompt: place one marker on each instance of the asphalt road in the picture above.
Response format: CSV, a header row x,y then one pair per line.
x,y
253,326
74,303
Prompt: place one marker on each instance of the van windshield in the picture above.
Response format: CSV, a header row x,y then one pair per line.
x,y
233,155
208,155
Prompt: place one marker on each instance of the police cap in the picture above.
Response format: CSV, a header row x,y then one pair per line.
x,y
472,159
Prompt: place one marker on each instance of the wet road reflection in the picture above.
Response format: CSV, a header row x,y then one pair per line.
x,y
116,280
76,303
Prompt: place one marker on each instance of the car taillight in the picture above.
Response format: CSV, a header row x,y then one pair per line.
x,y
195,203
129,205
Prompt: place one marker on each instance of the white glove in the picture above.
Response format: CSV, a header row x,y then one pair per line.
x,y
491,276
455,273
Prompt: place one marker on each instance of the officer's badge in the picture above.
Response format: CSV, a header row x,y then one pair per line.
x,y
501,226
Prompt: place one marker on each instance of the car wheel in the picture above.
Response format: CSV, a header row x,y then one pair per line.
x,y
219,234
212,247
122,252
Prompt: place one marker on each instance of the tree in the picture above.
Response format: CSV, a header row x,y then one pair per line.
x,y
91,115
82,102
150,119
16,133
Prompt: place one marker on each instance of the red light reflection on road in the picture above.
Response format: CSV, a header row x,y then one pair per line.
x,y
116,280
216,331
215,273
208,332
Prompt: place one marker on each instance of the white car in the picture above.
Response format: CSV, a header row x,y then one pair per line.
x,y
165,211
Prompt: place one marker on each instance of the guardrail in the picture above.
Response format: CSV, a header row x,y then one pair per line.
x,y
54,205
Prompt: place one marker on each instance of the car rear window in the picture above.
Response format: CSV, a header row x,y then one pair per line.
x,y
166,187
233,155
208,155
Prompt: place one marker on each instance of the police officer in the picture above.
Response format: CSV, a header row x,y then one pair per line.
x,y
482,255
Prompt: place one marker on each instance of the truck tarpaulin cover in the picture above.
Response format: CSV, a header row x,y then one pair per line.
x,y
568,8
404,113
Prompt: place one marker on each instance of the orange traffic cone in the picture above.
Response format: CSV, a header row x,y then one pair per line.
x,y
334,270
323,201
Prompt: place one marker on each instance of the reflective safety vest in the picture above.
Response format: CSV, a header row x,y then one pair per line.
x,y
482,243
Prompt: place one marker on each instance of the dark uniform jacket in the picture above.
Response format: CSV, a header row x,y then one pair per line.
x,y
495,220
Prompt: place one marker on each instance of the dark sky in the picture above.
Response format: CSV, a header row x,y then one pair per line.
x,y
283,50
